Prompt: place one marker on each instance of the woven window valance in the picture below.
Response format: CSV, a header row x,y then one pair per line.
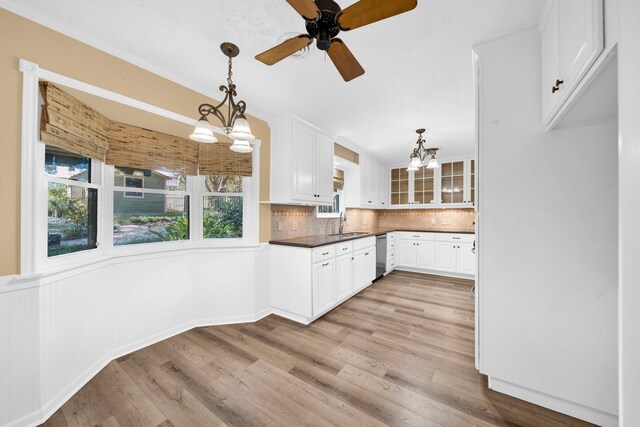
x,y
217,159
72,125
135,147
338,179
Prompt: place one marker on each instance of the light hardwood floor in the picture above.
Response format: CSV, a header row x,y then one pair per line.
x,y
400,353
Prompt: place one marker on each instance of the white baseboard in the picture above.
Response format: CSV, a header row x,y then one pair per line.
x,y
437,273
576,410
49,408
291,316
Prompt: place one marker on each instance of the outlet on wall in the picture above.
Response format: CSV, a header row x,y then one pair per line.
x,y
279,226
294,226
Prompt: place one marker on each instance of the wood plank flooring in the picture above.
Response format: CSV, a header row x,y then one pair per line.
x,y
400,353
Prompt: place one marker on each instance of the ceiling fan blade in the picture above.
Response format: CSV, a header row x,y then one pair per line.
x,y
306,8
367,12
284,49
345,62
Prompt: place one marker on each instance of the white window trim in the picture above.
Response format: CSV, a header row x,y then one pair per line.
x,y
332,214
33,226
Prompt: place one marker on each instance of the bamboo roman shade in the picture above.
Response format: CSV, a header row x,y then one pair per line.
x,y
338,179
217,159
71,125
138,148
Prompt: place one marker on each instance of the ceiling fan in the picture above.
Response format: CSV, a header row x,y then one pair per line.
x,y
324,19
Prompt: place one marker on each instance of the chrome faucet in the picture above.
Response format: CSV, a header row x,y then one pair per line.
x,y
343,218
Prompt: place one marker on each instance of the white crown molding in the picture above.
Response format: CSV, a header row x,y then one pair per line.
x,y
94,41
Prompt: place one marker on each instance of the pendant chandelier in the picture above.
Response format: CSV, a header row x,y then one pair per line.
x,y
235,125
422,156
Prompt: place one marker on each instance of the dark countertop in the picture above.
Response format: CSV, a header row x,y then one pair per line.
x,y
323,240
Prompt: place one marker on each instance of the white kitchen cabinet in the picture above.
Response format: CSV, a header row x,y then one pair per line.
x,y
324,286
308,282
301,163
453,185
344,276
364,268
374,183
572,40
425,255
445,256
465,258
448,253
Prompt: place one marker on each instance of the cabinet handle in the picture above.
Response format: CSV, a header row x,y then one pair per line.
x,y
415,235
345,249
367,253
325,264
556,88
325,253
456,238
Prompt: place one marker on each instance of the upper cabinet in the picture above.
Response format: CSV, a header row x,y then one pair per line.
x,y
452,185
572,40
374,183
301,163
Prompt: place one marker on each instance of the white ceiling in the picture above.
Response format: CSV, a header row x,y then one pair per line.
x,y
418,65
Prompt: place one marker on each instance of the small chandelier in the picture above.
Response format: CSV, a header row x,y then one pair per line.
x,y
235,125
420,154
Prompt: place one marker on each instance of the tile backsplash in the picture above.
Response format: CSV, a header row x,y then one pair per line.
x,y
288,222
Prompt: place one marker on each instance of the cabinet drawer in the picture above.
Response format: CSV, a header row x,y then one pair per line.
x,y
391,257
344,248
452,237
405,235
323,253
391,236
391,246
365,242
391,264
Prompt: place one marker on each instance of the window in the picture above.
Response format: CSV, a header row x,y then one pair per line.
x,y
158,212
333,210
72,206
133,182
223,207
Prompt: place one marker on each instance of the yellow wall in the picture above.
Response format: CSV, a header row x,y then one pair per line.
x,y
53,51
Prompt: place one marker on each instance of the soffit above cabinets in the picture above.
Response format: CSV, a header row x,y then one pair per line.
x,y
419,69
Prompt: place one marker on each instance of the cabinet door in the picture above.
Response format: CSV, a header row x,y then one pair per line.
x,y
407,252
344,276
366,186
465,258
364,268
324,168
452,183
324,289
426,255
303,161
383,185
551,61
581,36
446,256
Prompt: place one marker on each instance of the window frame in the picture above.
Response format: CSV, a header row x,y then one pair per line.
x,y
341,207
34,189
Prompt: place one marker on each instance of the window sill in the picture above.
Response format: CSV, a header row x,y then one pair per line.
x,y
120,254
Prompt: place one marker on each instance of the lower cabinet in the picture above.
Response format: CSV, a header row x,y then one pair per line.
x,y
306,283
344,276
449,253
364,268
324,286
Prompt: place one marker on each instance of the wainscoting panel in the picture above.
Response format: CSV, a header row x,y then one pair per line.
x,y
62,332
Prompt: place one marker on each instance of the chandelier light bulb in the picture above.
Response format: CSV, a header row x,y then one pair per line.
x,y
241,130
203,132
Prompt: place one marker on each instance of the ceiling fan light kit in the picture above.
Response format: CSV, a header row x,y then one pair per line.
x,y
235,125
420,155
324,19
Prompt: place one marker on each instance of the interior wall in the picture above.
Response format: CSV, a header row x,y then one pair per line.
x,y
547,240
629,158
53,51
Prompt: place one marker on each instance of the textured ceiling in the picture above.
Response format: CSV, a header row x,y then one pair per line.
x,y
418,65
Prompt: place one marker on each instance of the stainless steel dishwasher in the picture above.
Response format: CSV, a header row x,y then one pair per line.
x,y
381,255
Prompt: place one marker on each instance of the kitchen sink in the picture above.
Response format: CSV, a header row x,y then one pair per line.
x,y
349,234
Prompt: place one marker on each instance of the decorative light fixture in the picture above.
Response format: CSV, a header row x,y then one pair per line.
x,y
420,154
236,125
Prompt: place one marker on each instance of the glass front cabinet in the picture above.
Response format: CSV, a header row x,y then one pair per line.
x,y
451,185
